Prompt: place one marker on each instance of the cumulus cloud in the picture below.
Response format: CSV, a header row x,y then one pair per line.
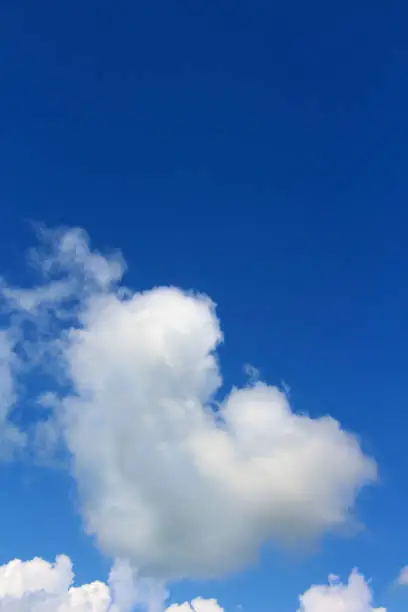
x,y
39,586
355,596
178,484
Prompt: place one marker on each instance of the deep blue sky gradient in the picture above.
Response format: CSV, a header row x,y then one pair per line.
x,y
256,151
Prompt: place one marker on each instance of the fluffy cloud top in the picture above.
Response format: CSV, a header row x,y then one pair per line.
x,y
355,596
197,605
39,586
170,480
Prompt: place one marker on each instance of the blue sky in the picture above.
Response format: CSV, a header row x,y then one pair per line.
x,y
255,152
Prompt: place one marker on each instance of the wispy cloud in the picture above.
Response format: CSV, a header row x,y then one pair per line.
x,y
402,579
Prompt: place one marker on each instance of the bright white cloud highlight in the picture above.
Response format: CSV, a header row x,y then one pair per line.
x,y
166,481
355,596
39,586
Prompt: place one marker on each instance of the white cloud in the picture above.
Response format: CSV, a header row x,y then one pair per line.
x,y
355,596
39,586
164,481
403,576
197,605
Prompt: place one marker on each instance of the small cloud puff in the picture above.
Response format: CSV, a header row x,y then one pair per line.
x,y
355,596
